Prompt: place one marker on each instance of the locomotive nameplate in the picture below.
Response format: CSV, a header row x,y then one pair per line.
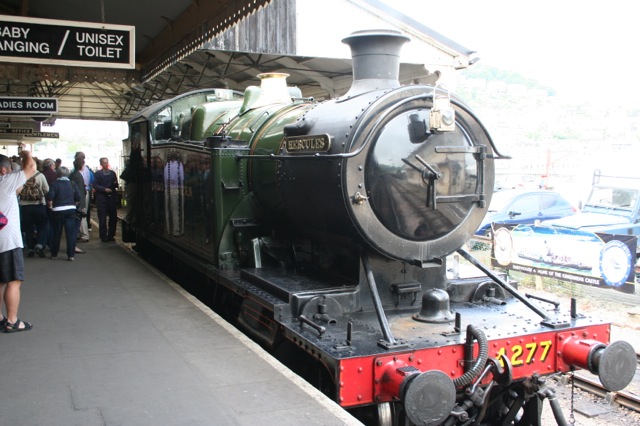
x,y
308,144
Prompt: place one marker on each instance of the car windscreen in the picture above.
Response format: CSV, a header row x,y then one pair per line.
x,y
612,198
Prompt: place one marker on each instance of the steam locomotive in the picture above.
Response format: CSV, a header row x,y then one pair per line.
x,y
322,230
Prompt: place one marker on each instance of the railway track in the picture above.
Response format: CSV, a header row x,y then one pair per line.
x,y
623,398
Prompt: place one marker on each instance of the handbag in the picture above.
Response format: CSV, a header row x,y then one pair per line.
x,y
81,213
3,220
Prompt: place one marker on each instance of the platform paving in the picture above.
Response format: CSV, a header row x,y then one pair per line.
x,y
115,342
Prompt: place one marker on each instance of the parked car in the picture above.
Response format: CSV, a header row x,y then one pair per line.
x,y
613,208
515,206
610,209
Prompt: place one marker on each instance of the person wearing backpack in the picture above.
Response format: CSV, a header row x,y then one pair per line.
x,y
33,211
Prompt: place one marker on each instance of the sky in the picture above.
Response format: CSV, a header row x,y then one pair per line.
x,y
580,48
585,49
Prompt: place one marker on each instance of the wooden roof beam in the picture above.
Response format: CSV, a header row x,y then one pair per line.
x,y
201,21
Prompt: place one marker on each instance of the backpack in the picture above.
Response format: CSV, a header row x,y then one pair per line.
x,y
31,191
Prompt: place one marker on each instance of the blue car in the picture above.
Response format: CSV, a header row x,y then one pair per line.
x,y
515,206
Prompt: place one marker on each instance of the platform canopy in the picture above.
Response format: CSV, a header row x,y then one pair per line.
x,y
183,45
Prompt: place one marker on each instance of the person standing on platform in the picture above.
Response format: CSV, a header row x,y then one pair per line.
x,y
15,164
76,179
34,214
63,199
85,186
105,183
11,258
88,176
49,170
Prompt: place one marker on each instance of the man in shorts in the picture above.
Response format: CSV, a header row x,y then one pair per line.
x,y
11,259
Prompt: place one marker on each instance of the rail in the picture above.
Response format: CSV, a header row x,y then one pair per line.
x,y
623,398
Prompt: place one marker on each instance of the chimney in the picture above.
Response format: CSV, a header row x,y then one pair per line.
x,y
376,59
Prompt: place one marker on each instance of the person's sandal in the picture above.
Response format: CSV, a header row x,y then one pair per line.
x,y
15,327
3,322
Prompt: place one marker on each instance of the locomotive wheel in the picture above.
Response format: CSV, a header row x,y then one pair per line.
x,y
384,414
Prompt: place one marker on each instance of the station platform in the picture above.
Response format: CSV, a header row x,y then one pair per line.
x,y
115,342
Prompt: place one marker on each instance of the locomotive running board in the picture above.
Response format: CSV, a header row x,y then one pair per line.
x,y
547,321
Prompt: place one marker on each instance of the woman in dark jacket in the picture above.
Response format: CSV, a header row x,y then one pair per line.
x,y
63,198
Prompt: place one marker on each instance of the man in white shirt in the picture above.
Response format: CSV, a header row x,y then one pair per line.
x,y
11,258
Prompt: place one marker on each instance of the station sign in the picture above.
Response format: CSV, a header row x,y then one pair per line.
x,y
49,135
16,130
69,43
28,106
